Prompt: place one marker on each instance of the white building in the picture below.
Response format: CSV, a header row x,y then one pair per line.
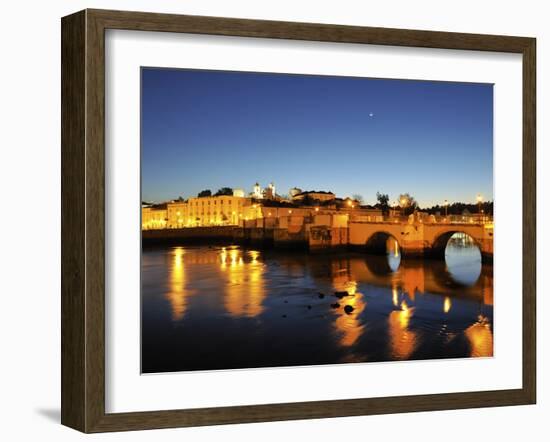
x,y
257,191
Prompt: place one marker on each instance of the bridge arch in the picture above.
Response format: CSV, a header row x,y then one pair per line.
x,y
377,243
441,240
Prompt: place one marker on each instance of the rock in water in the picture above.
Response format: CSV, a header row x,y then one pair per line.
x,y
335,305
341,294
348,309
321,295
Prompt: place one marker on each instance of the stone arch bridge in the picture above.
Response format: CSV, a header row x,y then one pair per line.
x,y
419,239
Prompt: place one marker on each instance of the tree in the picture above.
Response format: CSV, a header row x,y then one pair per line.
x,y
358,198
383,203
204,193
224,191
407,203
458,208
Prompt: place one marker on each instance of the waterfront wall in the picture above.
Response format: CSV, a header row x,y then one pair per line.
x,y
190,235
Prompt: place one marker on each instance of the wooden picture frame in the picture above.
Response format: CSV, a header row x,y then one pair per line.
x,y
83,220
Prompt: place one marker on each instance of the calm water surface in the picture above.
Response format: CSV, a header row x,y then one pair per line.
x,y
207,308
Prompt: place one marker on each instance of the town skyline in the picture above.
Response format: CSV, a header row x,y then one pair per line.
x,y
213,129
393,200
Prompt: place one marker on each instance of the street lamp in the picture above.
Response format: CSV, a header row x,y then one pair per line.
x,y
479,200
446,204
403,203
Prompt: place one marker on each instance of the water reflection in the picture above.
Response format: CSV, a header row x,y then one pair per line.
x,y
447,304
402,339
411,279
268,308
244,286
348,324
176,295
394,254
463,259
480,337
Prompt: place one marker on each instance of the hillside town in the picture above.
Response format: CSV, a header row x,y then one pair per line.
x,y
234,207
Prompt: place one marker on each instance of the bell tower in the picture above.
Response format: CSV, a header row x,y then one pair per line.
x,y
257,192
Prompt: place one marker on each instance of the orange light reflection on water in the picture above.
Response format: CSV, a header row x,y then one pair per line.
x,y
349,327
480,338
447,304
176,295
245,286
402,340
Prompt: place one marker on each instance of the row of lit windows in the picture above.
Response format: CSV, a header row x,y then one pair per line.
x,y
230,202
202,210
191,204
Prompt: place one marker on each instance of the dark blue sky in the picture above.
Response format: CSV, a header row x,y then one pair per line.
x,y
210,129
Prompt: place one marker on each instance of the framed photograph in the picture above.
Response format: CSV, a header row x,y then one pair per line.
x,y
269,220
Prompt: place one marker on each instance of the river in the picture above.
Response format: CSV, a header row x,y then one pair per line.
x,y
207,308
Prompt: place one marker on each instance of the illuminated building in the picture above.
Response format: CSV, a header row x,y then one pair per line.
x,y
257,191
215,210
314,195
154,217
263,205
269,192
176,214
293,192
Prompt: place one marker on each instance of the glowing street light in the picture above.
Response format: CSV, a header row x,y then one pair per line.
x,y
403,202
479,199
446,204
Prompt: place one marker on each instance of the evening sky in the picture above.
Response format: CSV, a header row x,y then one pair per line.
x,y
213,129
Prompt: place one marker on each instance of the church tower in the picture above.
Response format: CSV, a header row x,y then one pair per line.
x,y
257,192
